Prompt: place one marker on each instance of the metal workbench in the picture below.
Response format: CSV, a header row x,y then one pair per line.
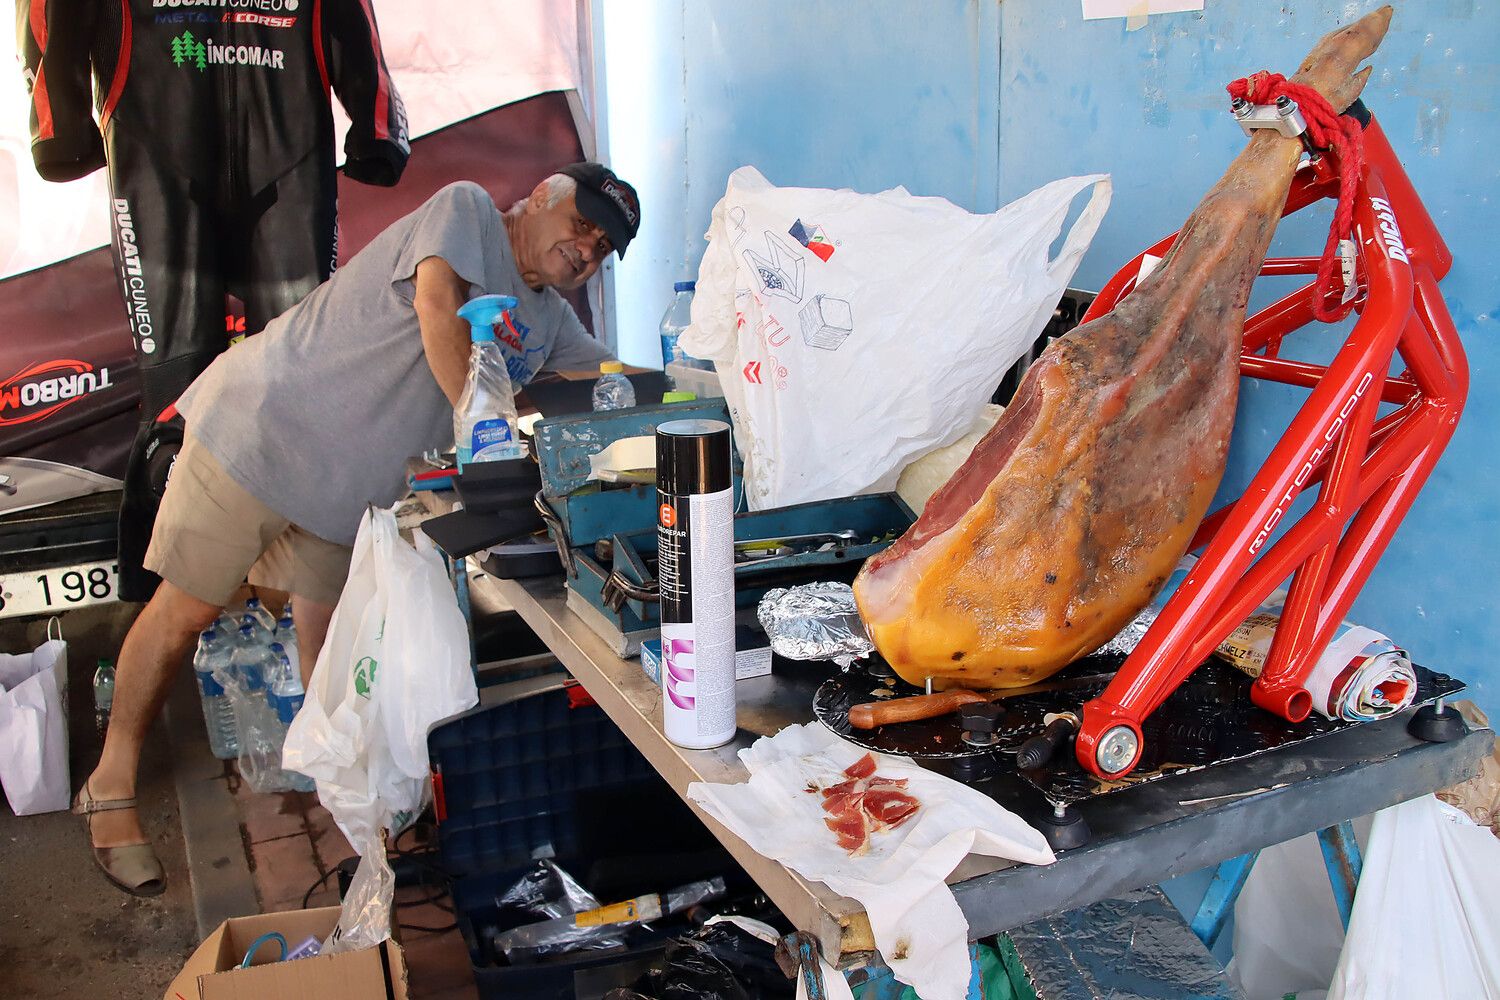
x,y
1141,835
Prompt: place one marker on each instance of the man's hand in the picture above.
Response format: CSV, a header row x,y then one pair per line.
x,y
445,337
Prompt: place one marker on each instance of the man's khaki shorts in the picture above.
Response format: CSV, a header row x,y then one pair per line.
x,y
210,535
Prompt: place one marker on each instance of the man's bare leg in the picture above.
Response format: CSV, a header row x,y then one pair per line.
x,y
312,621
154,649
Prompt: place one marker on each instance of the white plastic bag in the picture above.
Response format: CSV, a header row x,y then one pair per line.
x,y
1426,921
1287,931
396,661
1424,924
854,333
34,727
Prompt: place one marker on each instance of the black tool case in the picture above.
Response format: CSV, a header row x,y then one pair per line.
x,y
549,775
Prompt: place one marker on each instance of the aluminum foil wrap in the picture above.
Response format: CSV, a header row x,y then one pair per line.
x,y
1130,636
816,621
1133,947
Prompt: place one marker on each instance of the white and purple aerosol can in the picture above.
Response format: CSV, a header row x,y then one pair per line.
x,y
695,571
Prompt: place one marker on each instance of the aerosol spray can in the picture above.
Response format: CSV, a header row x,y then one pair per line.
x,y
695,569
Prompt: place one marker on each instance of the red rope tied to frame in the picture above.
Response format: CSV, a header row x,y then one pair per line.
x,y
1328,130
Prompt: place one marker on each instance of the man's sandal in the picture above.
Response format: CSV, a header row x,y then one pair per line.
x,y
133,868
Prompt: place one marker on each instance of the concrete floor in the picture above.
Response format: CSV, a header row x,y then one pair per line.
x,y
64,931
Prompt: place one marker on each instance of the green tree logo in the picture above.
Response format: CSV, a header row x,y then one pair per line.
x,y
364,676
187,49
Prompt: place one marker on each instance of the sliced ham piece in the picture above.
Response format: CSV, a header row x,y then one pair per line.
x,y
865,803
888,809
1071,513
852,828
844,788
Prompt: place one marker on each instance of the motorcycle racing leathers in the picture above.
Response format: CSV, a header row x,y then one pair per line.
x,y
214,120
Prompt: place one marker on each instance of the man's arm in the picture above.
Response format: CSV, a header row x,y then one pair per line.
x,y
445,338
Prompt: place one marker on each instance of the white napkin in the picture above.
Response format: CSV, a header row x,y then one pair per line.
x,y
919,929
623,456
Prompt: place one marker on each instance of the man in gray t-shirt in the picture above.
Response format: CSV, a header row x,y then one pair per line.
x,y
291,433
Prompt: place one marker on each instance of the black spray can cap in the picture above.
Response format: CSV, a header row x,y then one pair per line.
x,y
693,456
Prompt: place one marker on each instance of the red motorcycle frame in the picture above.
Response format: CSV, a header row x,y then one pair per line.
x,y
1368,468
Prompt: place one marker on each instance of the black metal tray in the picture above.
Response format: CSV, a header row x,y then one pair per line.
x,y
1208,720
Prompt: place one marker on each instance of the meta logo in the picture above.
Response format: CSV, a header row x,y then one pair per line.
x,y
40,390
1395,247
133,279
1330,436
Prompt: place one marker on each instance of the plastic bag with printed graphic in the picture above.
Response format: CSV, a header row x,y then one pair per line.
x,y
396,662
816,304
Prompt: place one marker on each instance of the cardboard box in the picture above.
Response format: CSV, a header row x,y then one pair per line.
x,y
752,655
213,973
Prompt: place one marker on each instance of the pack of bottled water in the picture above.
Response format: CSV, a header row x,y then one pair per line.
x,y
251,689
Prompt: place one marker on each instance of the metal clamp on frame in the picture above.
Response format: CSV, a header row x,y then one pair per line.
x,y
1284,116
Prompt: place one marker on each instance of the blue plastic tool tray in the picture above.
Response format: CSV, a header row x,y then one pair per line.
x,y
509,777
584,510
877,520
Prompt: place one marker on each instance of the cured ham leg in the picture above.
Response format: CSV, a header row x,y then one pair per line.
x,y
1072,512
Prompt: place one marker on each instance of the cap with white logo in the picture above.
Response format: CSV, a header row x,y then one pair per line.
x,y
607,202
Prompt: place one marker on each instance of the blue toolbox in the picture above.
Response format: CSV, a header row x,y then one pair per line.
x,y
580,511
606,534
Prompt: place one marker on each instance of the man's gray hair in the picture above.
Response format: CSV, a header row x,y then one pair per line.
x,y
559,186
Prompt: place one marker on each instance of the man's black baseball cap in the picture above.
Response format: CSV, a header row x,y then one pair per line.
x,y
607,202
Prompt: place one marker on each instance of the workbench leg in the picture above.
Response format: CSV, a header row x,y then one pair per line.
x,y
458,572
1341,856
1218,902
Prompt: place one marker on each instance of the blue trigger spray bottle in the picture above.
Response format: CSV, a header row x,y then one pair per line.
x,y
484,421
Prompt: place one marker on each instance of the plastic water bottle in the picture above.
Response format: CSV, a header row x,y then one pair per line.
x,y
248,658
484,421
287,691
218,714
261,613
613,391
284,697
673,322
263,635
104,693
286,636
246,680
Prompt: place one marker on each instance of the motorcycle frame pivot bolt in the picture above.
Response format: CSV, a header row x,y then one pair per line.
x,y
1117,748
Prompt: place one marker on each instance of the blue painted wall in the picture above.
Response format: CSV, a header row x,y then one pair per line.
x,y
981,102
815,93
